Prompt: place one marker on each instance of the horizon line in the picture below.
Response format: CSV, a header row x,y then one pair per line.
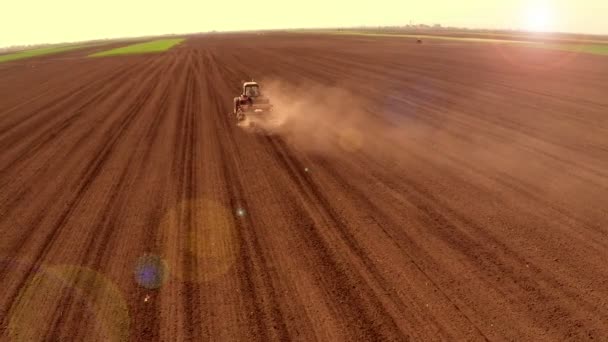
x,y
412,26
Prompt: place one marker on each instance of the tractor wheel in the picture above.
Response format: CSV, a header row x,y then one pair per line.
x,y
240,116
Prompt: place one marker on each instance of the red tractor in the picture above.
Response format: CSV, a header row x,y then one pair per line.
x,y
251,102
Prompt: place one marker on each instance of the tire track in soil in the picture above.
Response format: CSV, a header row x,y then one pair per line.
x,y
353,299
185,186
147,316
258,289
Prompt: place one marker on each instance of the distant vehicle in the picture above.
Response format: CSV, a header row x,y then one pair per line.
x,y
251,102
419,41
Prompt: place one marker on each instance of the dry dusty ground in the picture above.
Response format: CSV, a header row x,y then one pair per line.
x,y
427,192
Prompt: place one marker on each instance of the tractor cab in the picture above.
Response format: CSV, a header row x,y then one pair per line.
x,y
251,89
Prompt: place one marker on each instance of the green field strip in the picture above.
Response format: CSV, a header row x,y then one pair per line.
x,y
517,36
596,49
556,40
154,46
468,39
39,52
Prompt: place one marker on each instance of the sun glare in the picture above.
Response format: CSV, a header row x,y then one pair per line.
x,y
538,16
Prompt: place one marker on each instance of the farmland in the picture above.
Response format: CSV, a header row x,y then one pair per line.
x,y
451,190
154,46
37,52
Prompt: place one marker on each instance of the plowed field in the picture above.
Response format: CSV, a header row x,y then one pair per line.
x,y
441,191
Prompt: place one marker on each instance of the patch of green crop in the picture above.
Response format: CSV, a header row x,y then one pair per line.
x,y
596,49
425,36
154,46
38,52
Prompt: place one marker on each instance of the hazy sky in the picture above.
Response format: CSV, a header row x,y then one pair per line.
x,y
49,21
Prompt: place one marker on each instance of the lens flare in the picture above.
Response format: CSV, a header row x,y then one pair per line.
x,y
40,297
535,58
151,271
241,212
200,240
538,16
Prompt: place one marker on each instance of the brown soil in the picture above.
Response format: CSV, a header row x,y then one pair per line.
x,y
422,192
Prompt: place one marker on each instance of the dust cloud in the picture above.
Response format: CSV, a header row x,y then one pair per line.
x,y
401,132
409,134
319,119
